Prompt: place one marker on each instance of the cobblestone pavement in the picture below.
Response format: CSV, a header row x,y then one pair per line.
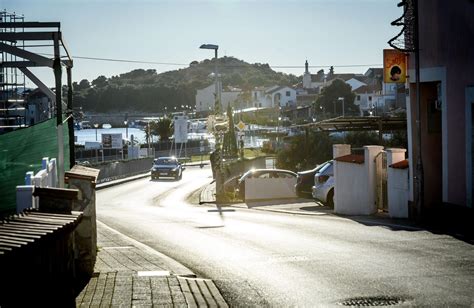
x,y
130,274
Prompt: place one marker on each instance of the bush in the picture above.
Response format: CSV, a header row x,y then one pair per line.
x,y
305,151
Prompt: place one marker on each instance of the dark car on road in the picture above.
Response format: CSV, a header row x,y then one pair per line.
x,y
305,181
166,167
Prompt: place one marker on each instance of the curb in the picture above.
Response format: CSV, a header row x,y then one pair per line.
x,y
121,181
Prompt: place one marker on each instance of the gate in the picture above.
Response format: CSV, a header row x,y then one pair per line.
x,y
381,181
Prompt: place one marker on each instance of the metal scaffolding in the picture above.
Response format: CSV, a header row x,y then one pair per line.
x,y
19,43
12,80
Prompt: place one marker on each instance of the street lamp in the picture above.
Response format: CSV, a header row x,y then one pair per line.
x,y
96,125
218,94
217,111
342,99
126,128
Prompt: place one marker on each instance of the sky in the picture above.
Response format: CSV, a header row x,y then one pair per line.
x,y
348,34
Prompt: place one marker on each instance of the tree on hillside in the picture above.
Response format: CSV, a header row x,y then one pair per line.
x,y
328,102
100,82
145,90
82,85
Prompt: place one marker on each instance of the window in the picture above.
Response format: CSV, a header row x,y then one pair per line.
x,y
370,98
358,97
288,93
284,175
255,95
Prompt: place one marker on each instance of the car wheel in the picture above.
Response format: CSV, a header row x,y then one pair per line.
x,y
330,198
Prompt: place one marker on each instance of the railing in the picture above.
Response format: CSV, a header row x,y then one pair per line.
x,y
93,156
46,177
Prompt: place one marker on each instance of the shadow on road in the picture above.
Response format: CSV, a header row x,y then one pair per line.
x,y
273,202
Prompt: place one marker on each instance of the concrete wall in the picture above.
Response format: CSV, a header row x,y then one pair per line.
x,y
447,59
397,185
84,180
120,169
355,184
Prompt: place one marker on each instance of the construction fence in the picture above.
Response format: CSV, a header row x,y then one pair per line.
x,y
21,151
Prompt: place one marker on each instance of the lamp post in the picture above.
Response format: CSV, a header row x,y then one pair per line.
x,y
218,135
96,125
342,99
126,128
218,94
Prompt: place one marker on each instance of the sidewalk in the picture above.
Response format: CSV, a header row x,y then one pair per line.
x,y
130,274
300,206
446,220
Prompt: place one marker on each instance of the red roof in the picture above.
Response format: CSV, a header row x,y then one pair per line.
x,y
351,158
403,164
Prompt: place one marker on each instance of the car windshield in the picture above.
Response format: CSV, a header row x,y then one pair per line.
x,y
326,170
166,161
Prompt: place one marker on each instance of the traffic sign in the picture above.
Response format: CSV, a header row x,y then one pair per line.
x,y
240,126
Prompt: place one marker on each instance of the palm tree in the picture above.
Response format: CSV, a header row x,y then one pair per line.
x,y
163,128
230,143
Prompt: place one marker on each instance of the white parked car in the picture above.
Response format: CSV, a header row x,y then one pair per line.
x,y
264,174
323,188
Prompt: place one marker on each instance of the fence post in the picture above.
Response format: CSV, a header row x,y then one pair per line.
x,y
29,178
24,198
370,152
84,179
54,172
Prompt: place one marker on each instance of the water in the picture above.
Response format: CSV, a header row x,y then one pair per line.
x,y
84,135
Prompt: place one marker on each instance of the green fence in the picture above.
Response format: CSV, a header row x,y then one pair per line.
x,y
22,151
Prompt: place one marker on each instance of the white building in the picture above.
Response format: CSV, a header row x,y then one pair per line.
x,y
313,81
376,97
274,96
205,98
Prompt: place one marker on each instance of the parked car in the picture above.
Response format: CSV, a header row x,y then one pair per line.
x,y
305,181
323,188
261,173
166,167
231,184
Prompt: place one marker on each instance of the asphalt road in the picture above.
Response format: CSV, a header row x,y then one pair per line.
x,y
261,258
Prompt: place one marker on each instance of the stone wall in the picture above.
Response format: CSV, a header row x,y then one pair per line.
x,y
121,169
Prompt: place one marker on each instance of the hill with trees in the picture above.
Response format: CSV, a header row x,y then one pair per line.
x,y
148,91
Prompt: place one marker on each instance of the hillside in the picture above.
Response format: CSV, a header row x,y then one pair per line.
x,y
145,90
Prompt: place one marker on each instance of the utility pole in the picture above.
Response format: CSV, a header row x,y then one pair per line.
x,y
419,180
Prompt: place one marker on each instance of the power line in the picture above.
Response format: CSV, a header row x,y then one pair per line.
x,y
127,61
185,64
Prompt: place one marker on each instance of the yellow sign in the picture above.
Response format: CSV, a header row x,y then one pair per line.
x,y
241,126
394,66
